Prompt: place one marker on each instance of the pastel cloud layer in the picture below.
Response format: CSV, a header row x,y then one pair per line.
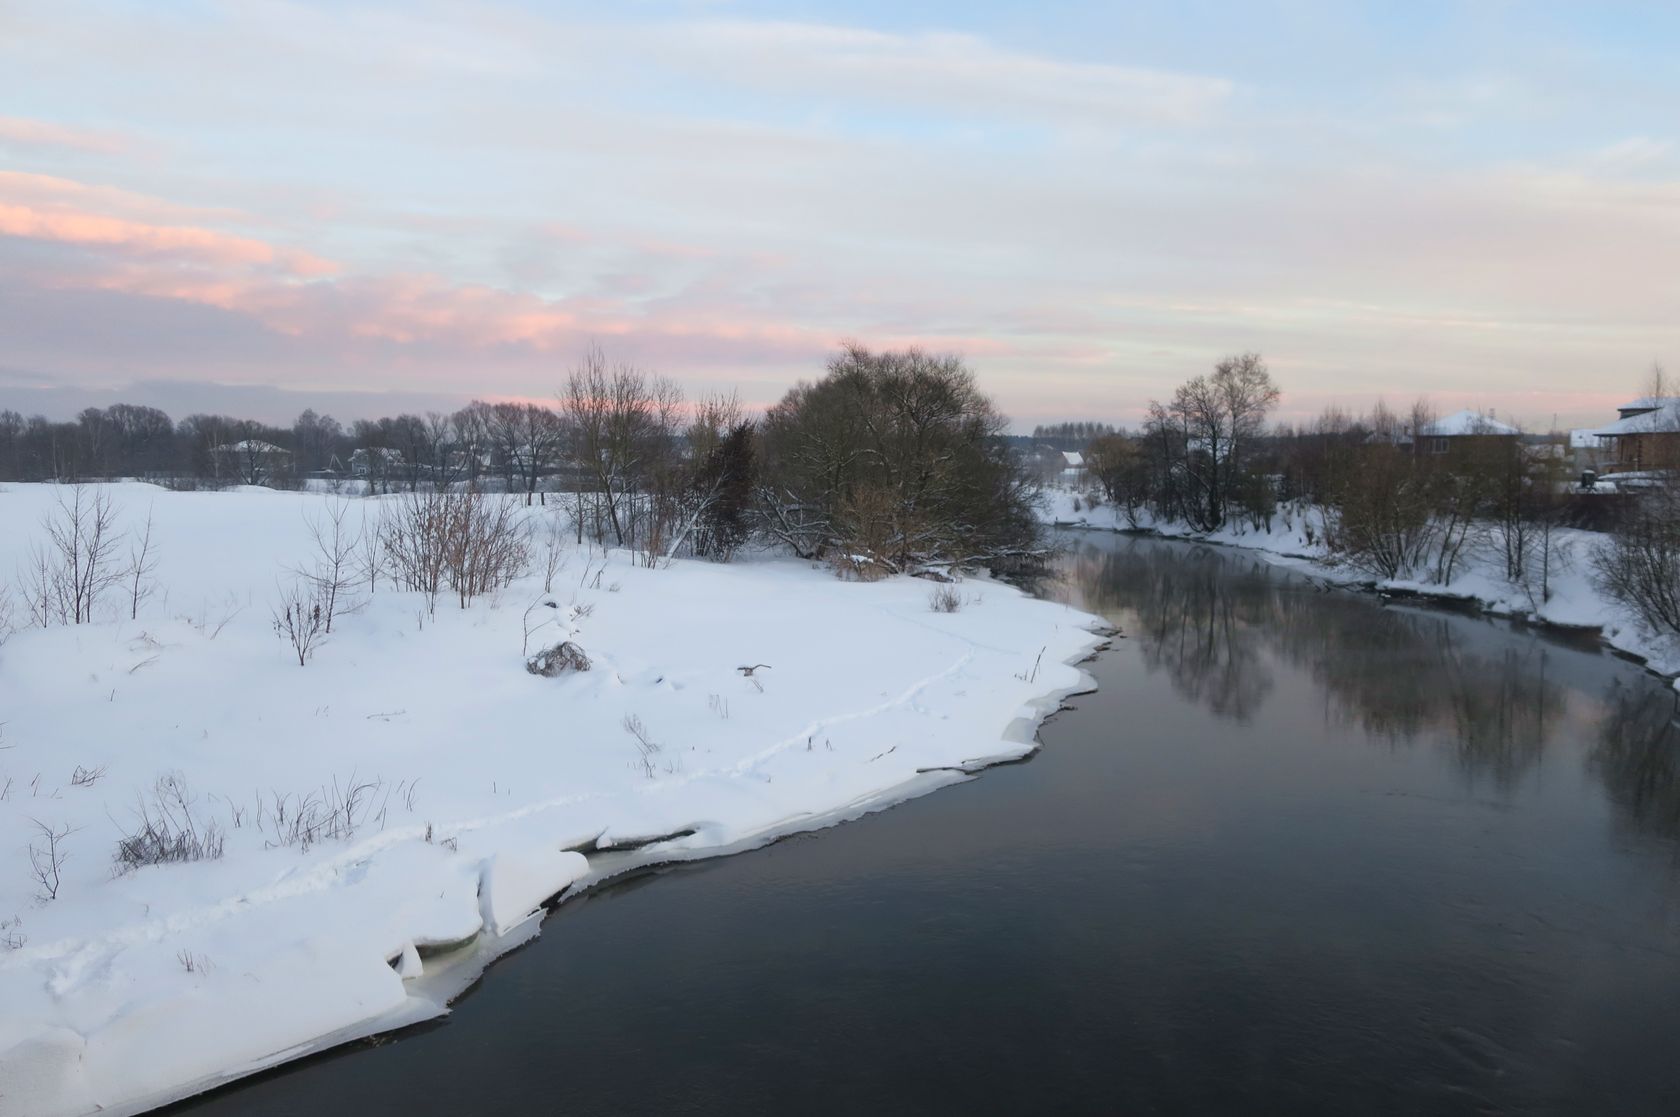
x,y
1480,202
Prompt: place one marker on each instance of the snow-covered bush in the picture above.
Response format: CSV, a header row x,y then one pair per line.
x,y
557,660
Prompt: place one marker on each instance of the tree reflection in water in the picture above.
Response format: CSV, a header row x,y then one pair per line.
x,y
1213,620
1637,757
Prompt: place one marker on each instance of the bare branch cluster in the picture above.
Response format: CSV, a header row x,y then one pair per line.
x,y
167,831
460,540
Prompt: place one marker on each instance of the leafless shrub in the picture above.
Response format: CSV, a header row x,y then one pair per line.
x,y
193,963
10,937
40,600
562,657
554,550
46,858
335,812
212,627
646,747
529,627
946,599
300,619
371,559
463,540
78,565
142,565
87,777
719,705
166,831
334,574
8,613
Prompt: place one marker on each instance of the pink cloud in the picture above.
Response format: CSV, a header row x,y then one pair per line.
x,y
20,132
131,245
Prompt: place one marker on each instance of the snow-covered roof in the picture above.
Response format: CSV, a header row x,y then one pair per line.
x,y
1073,458
251,446
1664,418
1463,423
1645,403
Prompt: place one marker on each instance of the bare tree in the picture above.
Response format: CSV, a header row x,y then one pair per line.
x,y
46,858
623,424
447,465
80,560
334,574
1219,416
142,565
1640,564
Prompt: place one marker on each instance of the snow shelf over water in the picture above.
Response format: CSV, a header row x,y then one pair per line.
x,y
483,782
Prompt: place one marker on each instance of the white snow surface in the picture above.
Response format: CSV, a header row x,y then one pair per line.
x,y
1296,539
130,989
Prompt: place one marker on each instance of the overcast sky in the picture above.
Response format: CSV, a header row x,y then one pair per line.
x,y
412,204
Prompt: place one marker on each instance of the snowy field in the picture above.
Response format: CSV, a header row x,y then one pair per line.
x,y
413,788
1296,539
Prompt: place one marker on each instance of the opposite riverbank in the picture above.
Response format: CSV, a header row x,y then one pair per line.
x,y
1575,604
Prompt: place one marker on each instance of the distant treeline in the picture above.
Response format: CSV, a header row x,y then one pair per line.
x,y
1073,436
891,462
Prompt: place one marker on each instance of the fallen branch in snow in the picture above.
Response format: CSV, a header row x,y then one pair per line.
x,y
87,777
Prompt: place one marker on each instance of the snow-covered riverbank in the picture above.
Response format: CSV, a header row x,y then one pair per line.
x,y
452,792
1296,539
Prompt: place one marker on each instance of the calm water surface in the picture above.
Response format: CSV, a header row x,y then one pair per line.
x,y
1300,853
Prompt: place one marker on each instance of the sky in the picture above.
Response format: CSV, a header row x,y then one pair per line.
x,y
363,208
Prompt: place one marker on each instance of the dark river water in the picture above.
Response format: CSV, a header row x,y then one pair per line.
x,y
1301,853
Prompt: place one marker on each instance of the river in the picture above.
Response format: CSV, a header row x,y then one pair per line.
x,y
1301,852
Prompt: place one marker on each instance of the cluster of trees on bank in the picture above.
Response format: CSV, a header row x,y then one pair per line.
x,y
890,462
1380,494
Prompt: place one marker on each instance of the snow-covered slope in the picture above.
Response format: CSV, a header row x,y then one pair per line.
x,y
472,785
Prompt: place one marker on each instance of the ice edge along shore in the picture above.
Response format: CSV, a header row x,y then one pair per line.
x,y
874,699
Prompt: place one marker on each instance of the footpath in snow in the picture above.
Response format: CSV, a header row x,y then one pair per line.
x,y
1296,539
395,813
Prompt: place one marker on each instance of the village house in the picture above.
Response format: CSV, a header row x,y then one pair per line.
x,y
251,461
1645,437
1463,433
375,462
